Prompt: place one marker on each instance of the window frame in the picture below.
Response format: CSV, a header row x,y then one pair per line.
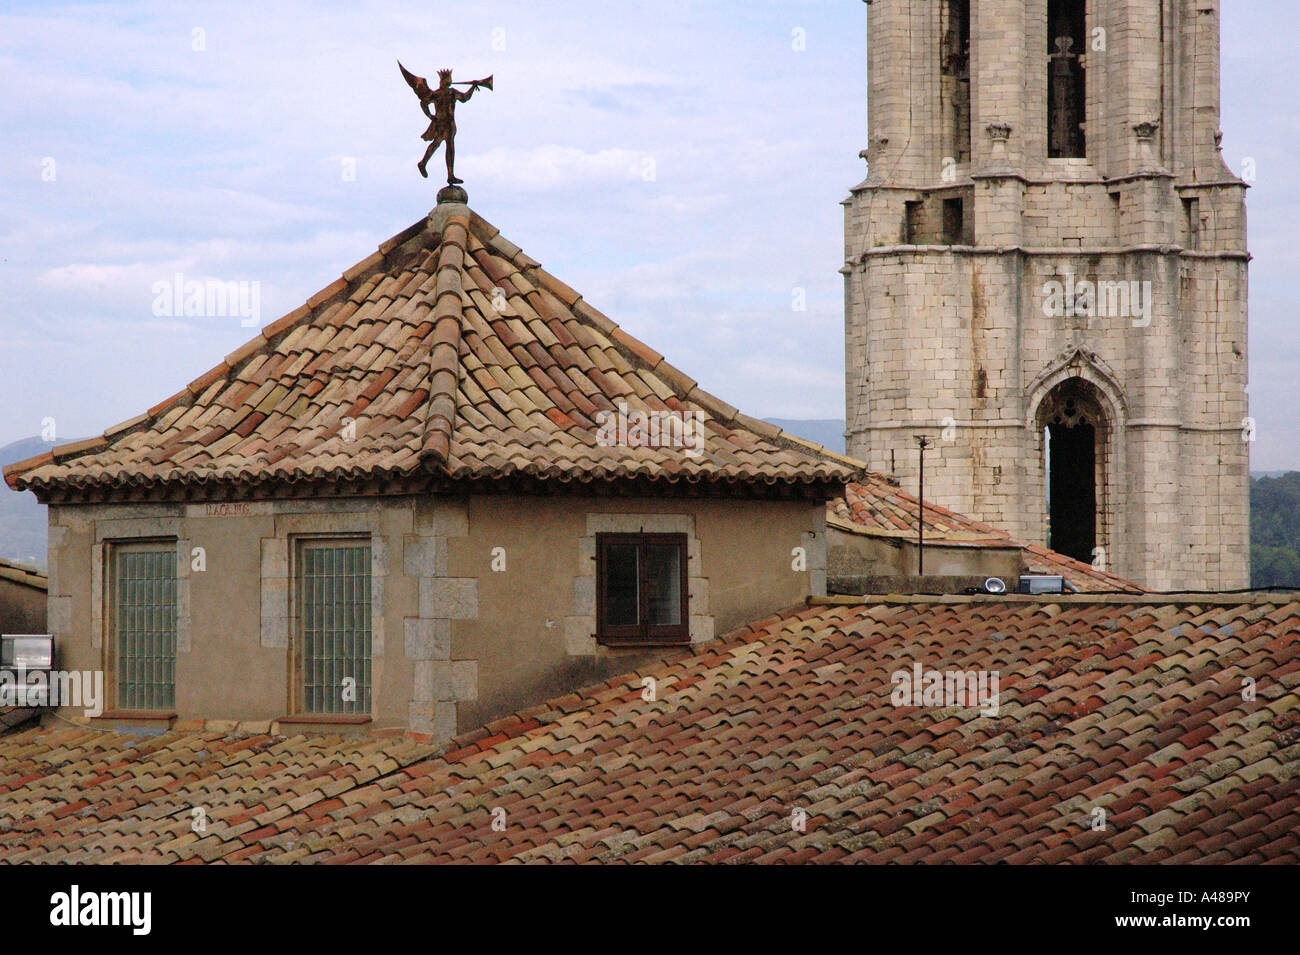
x,y
298,703
643,633
112,646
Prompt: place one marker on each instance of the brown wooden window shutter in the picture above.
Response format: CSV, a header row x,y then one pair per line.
x,y
641,589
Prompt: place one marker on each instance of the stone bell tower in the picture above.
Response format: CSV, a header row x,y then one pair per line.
x,y
1045,273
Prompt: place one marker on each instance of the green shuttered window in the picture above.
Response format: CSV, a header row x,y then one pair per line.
x,y
333,626
144,625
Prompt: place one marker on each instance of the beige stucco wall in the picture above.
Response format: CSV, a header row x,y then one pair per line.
x,y
851,555
22,607
530,637
226,665
455,642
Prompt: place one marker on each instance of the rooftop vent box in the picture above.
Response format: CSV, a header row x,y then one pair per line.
x,y
30,651
1042,584
22,656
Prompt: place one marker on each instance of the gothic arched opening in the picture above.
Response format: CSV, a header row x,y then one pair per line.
x,y
1075,433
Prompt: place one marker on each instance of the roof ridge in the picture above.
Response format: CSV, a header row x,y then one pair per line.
x,y
24,574
444,350
822,449
1146,599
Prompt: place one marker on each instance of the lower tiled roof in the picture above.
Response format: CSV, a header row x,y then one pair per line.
x,y
23,574
15,716
875,507
1134,707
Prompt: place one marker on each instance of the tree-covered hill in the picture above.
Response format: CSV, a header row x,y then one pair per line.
x,y
1275,531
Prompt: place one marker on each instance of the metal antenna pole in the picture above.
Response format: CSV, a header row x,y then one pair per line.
x,y
922,443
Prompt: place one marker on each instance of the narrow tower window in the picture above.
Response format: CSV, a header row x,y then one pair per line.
x,y
1192,213
954,71
1066,86
912,213
953,227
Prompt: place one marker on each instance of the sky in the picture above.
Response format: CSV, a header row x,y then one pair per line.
x,y
679,163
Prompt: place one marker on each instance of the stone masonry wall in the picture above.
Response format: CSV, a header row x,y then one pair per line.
x,y
959,342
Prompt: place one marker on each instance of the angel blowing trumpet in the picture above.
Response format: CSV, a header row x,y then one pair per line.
x,y
442,120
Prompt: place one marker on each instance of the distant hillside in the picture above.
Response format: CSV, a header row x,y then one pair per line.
x,y
828,432
22,519
1275,531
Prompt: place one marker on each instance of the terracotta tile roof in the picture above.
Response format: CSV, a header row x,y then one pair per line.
x,y
1130,705
874,506
23,574
450,352
12,717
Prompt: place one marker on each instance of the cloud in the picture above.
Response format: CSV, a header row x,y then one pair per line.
x,y
560,167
